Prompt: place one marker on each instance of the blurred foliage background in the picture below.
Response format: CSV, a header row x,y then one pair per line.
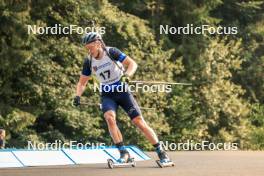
x,y
38,73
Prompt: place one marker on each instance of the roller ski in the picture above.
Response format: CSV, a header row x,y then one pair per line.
x,y
164,160
124,161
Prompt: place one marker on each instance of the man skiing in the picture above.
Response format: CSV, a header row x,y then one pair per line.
x,y
108,64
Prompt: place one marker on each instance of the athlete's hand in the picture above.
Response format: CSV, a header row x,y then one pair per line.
x,y
76,101
125,79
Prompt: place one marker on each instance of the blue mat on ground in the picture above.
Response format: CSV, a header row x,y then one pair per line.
x,y
23,157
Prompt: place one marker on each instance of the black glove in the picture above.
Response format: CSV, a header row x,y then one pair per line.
x,y
76,101
125,79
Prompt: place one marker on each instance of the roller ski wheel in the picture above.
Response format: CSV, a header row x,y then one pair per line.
x,y
130,162
163,164
110,163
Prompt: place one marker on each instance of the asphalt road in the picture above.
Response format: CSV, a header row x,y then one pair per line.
x,y
205,163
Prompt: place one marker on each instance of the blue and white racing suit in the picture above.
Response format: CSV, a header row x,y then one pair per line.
x,y
109,72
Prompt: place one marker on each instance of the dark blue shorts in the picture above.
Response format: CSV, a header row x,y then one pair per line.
x,y
111,101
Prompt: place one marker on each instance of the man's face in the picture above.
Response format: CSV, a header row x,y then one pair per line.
x,y
2,134
94,48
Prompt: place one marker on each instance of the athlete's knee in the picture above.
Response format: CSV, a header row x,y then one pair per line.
x,y
110,118
140,123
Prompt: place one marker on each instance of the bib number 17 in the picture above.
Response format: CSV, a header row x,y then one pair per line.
x,y
105,74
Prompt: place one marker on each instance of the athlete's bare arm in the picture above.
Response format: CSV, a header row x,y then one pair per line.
x,y
82,84
131,66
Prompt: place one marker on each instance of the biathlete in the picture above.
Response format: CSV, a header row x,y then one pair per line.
x,y
108,64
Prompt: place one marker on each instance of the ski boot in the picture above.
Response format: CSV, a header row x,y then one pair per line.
x,y
164,160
